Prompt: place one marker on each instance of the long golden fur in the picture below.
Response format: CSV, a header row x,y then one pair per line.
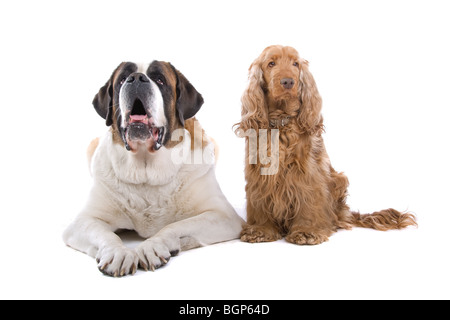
x,y
305,201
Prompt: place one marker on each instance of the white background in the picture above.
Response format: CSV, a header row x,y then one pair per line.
x,y
382,68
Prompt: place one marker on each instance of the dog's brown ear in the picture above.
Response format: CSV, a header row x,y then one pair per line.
x,y
103,102
189,100
253,113
310,117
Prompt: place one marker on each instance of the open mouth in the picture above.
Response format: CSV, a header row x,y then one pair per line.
x,y
141,129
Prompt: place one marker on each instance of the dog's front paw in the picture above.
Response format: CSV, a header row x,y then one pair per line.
x,y
155,252
306,238
117,261
254,234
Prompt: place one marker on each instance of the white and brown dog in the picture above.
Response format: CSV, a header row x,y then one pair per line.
x,y
148,176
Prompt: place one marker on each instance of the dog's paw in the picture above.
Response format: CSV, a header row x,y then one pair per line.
x,y
155,252
253,234
117,261
306,238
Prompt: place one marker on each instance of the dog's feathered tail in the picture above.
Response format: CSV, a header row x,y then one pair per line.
x,y
384,220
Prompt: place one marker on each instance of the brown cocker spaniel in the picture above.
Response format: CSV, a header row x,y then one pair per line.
x,y
303,198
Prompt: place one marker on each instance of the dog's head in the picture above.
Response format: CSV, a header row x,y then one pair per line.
x,y
144,104
280,83
281,69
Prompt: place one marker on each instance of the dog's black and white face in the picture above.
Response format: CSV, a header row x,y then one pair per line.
x,y
145,103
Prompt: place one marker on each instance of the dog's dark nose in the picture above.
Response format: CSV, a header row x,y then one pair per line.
x,y
287,83
137,77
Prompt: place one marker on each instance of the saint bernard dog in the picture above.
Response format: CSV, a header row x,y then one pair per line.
x,y
147,175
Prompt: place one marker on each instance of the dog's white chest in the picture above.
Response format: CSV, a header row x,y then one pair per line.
x,y
150,208
149,191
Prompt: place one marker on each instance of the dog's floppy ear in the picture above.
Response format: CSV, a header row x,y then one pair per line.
x,y
310,118
254,114
103,102
189,100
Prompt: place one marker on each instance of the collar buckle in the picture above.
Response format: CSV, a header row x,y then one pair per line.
x,y
276,123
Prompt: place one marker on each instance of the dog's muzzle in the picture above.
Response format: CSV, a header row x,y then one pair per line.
x,y
140,102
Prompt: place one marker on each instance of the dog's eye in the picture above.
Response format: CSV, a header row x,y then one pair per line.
x,y
158,78
296,64
122,81
271,64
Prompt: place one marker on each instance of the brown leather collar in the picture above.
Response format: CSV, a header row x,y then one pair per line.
x,y
281,122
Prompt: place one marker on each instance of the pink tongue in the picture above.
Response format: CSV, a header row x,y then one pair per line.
x,y
138,118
